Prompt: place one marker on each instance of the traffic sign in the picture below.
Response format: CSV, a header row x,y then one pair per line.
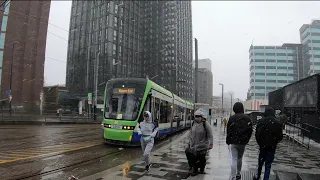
x,y
8,92
89,98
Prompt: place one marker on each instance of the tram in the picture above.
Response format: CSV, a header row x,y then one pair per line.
x,y
127,98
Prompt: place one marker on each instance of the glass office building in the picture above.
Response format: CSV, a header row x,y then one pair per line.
x,y
272,67
310,40
130,39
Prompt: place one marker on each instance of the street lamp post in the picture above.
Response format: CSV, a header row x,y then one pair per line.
x,y
196,70
11,72
96,84
222,98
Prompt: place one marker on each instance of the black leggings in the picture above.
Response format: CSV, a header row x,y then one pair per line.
x,y
197,161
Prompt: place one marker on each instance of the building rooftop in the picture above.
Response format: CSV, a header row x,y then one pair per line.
x,y
283,46
314,23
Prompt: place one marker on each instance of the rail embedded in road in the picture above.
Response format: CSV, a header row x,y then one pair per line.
x,y
30,153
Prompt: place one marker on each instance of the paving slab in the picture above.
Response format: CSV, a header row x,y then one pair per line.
x,y
169,162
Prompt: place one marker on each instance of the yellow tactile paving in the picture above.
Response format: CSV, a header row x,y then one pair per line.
x,y
23,154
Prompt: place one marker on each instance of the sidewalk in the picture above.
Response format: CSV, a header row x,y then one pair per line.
x,y
169,162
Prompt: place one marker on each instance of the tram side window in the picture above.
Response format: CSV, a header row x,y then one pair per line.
x,y
183,114
145,108
189,114
180,113
163,112
156,114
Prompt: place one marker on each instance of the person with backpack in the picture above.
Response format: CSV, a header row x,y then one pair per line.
x,y
268,135
148,130
239,131
200,141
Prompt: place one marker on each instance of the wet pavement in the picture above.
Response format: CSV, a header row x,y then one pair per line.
x,y
169,162
59,151
25,150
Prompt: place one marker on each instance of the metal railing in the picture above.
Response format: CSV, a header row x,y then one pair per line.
x,y
314,132
21,115
298,134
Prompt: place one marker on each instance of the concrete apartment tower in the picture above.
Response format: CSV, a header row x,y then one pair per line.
x,y
205,82
142,39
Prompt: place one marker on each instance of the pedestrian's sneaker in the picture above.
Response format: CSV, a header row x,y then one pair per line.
x,y
238,177
72,178
256,177
194,172
148,167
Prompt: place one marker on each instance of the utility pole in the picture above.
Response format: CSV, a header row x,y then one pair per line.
x,y
196,70
96,84
11,73
87,80
222,98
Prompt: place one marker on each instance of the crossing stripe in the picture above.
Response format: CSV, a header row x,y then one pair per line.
x,y
11,156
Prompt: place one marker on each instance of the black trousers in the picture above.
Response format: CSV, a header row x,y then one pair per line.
x,y
197,160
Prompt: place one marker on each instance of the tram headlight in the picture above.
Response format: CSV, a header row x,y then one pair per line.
x,y
107,125
129,127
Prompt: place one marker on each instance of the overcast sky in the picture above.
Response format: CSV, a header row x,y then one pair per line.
x,y
225,31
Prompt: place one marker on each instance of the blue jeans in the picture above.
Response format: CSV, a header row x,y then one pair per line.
x,y
266,158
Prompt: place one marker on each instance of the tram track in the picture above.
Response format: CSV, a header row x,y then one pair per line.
x,y
39,173
85,156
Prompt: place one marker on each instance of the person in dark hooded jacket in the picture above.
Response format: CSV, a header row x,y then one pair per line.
x,y
268,135
239,130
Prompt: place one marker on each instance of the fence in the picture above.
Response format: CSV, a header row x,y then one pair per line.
x,y
298,134
21,115
314,132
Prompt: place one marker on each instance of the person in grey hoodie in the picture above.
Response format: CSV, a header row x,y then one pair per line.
x,y
148,131
200,141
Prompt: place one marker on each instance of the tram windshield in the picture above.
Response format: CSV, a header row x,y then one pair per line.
x,y
123,103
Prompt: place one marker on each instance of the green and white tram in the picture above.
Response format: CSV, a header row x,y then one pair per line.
x,y
127,98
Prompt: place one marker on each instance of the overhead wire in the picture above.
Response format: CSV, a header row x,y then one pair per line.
x,y
56,59
47,22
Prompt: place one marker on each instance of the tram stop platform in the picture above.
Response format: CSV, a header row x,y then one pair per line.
x,y
292,162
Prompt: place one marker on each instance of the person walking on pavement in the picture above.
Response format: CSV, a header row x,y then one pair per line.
x,y
268,135
225,122
283,119
239,131
148,130
200,141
